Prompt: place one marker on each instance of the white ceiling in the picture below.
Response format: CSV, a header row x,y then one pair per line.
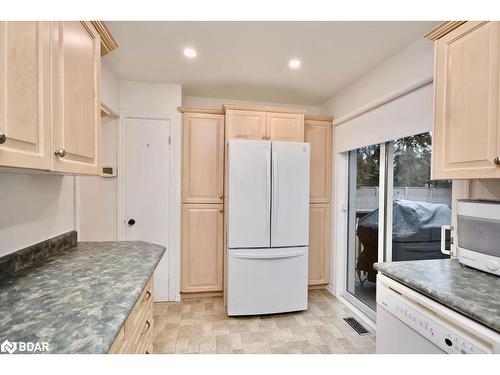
x,y
249,60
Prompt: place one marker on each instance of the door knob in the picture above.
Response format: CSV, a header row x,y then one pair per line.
x,y
497,160
131,222
3,138
61,152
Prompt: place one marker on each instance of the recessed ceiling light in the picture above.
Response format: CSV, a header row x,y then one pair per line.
x,y
294,63
190,53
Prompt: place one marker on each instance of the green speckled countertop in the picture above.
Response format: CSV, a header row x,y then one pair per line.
x,y
471,292
78,299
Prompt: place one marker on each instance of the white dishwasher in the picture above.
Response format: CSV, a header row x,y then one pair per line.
x,y
409,322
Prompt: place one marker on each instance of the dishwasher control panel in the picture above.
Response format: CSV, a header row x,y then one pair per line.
x,y
436,333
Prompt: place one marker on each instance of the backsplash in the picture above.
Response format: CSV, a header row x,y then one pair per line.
x,y
485,189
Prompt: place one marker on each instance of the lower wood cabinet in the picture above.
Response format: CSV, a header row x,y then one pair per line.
x,y
202,248
136,334
319,243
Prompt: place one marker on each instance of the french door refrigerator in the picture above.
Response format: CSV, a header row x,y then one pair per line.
x,y
268,227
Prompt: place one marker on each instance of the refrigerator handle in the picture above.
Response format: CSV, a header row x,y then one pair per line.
x,y
268,192
275,189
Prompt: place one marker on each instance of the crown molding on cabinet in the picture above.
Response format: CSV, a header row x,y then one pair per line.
x,y
318,118
108,43
442,29
213,111
259,108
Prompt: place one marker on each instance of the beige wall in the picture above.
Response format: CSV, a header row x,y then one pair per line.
x,y
196,101
35,207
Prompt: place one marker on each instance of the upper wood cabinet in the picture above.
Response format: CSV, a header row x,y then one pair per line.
x,y
285,126
319,134
319,243
202,247
202,158
260,122
76,96
50,96
466,136
25,94
245,124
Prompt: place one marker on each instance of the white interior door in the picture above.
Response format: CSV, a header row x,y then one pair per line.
x,y
249,194
146,188
290,194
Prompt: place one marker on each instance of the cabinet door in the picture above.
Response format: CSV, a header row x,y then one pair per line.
x,y
202,247
202,158
76,96
25,94
319,244
285,126
245,124
466,134
319,135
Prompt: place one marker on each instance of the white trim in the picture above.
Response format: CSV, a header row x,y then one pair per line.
x,y
76,204
173,246
460,190
384,99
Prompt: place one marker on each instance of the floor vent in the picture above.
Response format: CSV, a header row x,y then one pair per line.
x,y
357,326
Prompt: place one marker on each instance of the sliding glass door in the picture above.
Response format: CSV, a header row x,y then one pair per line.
x,y
390,183
363,210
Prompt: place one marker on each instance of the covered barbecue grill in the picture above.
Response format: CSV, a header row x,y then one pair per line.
x,y
416,234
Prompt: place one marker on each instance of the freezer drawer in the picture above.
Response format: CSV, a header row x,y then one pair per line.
x,y
266,281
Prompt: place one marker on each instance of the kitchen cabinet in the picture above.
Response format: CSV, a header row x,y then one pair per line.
x,y
50,96
202,158
319,243
136,334
245,124
25,95
285,126
76,99
202,247
318,133
266,123
466,133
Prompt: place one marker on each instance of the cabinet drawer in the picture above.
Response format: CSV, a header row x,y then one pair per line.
x,y
135,316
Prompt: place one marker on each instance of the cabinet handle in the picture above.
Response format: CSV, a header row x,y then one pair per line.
x,y
221,196
146,330
221,210
3,138
497,160
61,152
147,296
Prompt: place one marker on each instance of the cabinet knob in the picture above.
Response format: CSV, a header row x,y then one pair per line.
x,y
221,196
497,160
264,137
61,152
3,138
221,210
131,222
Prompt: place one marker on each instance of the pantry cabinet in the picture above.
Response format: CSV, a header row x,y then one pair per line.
x,y
318,133
466,134
202,158
319,243
264,123
202,247
25,95
76,97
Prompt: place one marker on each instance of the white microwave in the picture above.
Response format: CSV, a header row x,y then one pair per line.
x,y
478,234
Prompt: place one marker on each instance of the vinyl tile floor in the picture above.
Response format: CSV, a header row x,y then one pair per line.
x,y
200,325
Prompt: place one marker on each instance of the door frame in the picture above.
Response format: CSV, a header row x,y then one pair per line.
x,y
173,248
